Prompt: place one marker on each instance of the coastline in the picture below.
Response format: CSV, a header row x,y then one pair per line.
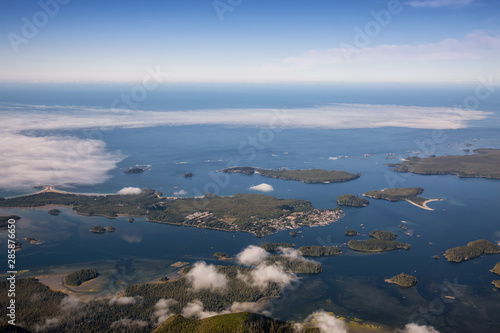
x,y
424,205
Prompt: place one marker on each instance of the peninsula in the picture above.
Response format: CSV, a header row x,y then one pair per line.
x,y
484,164
399,194
254,213
309,176
352,201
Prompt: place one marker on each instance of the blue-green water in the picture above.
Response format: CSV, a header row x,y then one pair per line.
x,y
352,283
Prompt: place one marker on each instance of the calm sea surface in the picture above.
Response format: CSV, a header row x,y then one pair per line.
x,y
352,283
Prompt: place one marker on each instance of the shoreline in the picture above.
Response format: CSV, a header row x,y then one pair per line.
x,y
424,205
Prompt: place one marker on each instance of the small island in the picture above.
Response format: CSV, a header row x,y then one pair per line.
x,y
384,235
180,264
496,269
483,163
137,169
352,201
319,251
403,280
77,278
111,228
436,256
54,212
309,176
272,247
376,245
398,194
32,240
293,233
295,265
188,175
4,220
222,256
473,250
351,232
97,229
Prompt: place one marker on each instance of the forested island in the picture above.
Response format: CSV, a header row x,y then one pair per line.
x,y
97,229
352,201
351,232
319,251
473,250
496,269
77,278
255,213
54,212
294,265
403,280
4,220
137,169
271,247
309,176
376,245
384,235
222,256
484,163
398,194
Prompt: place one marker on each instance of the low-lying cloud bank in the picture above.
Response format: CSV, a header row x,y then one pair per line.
x,y
28,160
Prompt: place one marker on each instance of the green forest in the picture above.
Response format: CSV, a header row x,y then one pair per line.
x,y
255,213
319,251
309,176
404,280
484,163
376,245
473,250
352,201
77,278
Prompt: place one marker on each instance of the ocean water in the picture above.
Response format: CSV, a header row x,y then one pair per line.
x,y
352,284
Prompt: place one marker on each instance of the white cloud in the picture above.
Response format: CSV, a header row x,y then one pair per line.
x,y
262,187
162,309
128,323
438,3
26,160
252,255
69,304
130,191
124,300
132,238
293,254
264,274
415,328
325,322
203,276
180,193
50,323
475,45
195,309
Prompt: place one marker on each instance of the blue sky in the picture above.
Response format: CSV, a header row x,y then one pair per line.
x,y
250,41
